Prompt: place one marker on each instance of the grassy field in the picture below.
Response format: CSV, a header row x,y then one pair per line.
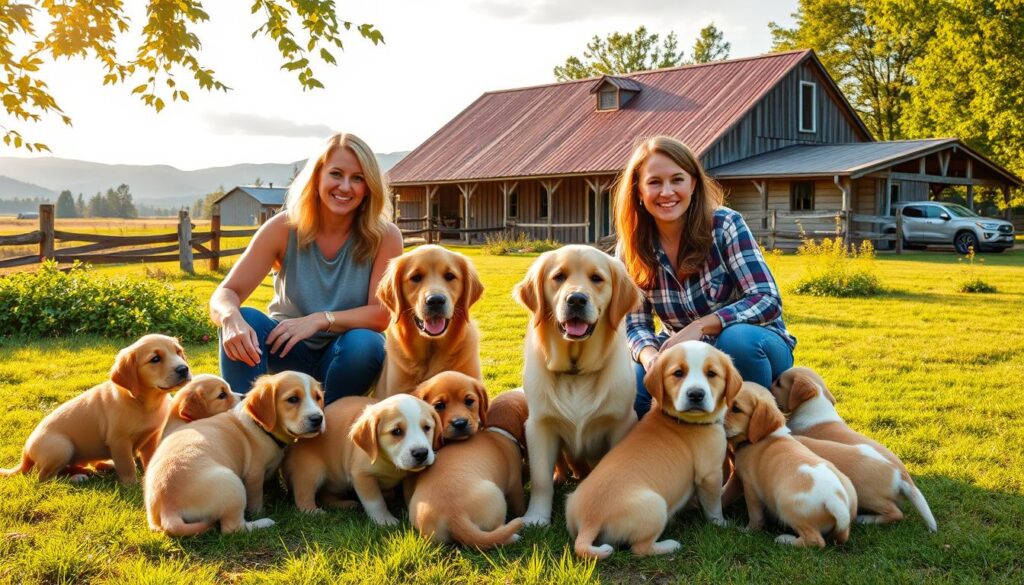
x,y
935,375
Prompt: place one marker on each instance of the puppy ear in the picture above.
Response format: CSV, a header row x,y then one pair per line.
x,y
125,372
483,402
473,288
625,294
530,291
654,381
318,393
389,289
828,395
261,402
193,407
765,418
364,434
802,390
733,380
438,430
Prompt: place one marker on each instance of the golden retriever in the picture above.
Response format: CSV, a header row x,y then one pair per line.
x,y
804,491
368,446
113,420
577,373
461,402
675,451
881,479
428,292
203,397
213,470
462,496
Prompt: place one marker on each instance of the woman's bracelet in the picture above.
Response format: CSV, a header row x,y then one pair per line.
x,y
330,320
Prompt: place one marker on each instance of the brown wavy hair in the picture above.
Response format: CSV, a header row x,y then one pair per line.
x,y
635,227
372,215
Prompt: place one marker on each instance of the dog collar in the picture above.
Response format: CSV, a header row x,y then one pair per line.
x,y
506,434
683,421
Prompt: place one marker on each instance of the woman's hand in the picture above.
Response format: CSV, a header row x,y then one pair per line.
x,y
692,332
291,331
239,340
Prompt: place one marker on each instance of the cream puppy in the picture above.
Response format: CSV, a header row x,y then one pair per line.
x,y
368,446
804,491
203,397
881,479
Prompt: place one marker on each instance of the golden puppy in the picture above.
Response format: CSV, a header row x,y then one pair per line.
x,y
881,479
577,373
461,497
112,420
428,291
213,470
203,397
676,450
460,400
368,446
804,491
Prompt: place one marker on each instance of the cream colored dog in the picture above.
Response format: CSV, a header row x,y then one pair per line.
x,y
368,446
461,497
675,451
203,397
113,420
213,470
577,372
881,479
804,491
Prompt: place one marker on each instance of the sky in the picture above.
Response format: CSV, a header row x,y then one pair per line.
x,y
438,56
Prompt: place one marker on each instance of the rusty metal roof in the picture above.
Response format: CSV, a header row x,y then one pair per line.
x,y
555,129
619,82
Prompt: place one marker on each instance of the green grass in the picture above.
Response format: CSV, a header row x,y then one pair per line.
x,y
935,375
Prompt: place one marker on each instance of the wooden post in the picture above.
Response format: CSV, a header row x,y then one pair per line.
x,y
430,190
899,230
184,239
772,223
762,189
549,188
970,187
1008,214
215,239
467,194
845,185
46,228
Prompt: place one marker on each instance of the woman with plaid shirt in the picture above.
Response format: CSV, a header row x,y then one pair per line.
x,y
698,265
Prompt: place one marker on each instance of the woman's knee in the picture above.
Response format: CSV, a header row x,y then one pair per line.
x,y
260,322
742,339
360,345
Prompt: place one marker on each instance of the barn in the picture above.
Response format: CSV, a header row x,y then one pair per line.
x,y
775,130
250,205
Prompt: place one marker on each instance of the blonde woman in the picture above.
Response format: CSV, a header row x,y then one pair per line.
x,y
328,250
698,265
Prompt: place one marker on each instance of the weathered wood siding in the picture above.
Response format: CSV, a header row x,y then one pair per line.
x,y
239,208
773,122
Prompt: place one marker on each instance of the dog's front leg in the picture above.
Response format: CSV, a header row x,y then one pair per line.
x,y
543,445
370,496
254,492
709,492
147,449
755,508
122,452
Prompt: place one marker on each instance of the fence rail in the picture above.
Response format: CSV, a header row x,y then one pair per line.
x,y
184,245
765,226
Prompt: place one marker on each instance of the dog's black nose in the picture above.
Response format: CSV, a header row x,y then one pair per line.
x,y
315,420
420,454
460,424
435,301
181,370
577,300
695,394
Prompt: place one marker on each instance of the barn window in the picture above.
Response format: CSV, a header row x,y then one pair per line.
x,y
808,106
801,196
607,99
543,203
513,205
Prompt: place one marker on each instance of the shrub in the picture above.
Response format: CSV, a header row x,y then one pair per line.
x,y
969,280
504,244
52,303
832,270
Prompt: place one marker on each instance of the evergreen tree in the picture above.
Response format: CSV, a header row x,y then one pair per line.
x,y
66,205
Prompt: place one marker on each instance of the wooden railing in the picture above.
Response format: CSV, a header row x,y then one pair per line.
x,y
184,245
432,233
765,226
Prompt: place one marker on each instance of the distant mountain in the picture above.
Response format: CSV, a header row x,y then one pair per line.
x,y
161,185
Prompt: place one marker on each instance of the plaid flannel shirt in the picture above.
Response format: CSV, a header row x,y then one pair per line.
x,y
734,284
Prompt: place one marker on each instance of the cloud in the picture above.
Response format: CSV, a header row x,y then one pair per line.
x,y
563,11
256,125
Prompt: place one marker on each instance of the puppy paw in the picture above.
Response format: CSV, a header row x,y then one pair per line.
x,y
719,521
261,523
513,539
316,511
536,520
79,478
665,547
385,520
787,539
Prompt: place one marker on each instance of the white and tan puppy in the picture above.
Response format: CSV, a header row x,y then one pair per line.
x,y
804,491
113,420
674,452
428,291
203,397
368,446
577,373
213,470
881,479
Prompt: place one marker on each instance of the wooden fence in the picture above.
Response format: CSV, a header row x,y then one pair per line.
x,y
184,245
766,227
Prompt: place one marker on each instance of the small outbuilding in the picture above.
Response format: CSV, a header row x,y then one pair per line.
x,y
250,205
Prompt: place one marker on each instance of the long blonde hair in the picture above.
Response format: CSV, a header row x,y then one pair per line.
x,y
372,215
637,232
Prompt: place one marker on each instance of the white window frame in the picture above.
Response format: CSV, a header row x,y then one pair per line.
x,y
814,107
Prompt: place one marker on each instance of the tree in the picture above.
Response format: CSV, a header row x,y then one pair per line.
x,y
66,205
620,53
80,206
169,46
97,206
710,45
867,46
203,206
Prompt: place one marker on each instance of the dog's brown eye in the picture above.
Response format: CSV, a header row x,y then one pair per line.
x,y
222,396
469,402
397,432
293,400
155,359
416,277
560,277
449,276
439,406
736,409
596,278
711,374
678,373
426,428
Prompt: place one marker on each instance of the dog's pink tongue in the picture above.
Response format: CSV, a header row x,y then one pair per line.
x,y
434,325
576,327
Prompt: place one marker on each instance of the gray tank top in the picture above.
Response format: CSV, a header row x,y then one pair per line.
x,y
309,283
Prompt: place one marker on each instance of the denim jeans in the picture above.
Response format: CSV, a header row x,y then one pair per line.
x,y
347,366
759,354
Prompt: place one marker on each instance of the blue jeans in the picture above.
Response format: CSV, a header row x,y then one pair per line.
x,y
347,366
759,354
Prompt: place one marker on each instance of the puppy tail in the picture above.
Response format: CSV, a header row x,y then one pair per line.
x,y
910,491
174,525
465,532
839,508
24,467
585,545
